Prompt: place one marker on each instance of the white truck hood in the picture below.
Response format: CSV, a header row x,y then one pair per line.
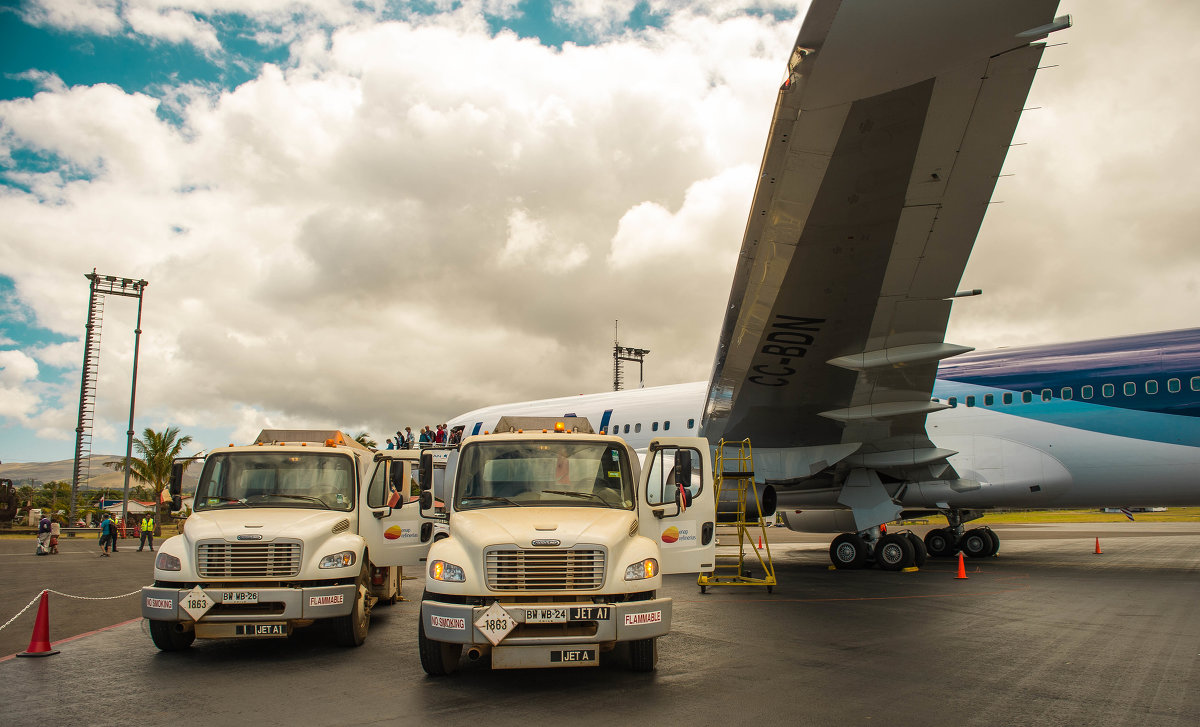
x,y
522,525
269,522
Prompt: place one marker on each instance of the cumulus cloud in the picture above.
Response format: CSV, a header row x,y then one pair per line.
x,y
414,217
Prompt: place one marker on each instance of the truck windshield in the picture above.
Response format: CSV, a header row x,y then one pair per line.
x,y
543,474
276,479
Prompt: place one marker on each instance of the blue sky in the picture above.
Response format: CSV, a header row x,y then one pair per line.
x,y
368,215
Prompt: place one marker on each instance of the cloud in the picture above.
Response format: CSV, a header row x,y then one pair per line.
x,y
408,219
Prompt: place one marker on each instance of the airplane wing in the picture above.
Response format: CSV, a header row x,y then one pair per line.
x,y
888,137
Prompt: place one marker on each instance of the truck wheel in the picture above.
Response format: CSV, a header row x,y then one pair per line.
x,y
643,654
171,636
438,658
351,629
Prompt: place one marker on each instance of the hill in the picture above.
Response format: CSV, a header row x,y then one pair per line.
x,y
26,473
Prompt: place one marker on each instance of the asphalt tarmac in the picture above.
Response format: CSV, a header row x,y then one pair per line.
x,y
1047,633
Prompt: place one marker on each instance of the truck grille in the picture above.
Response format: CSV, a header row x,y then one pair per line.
x,y
248,560
544,569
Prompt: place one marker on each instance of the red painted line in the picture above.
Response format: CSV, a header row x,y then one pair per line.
x,y
78,636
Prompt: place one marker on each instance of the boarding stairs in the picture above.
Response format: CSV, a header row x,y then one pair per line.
x,y
737,553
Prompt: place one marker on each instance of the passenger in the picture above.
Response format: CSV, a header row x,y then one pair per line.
x,y
389,444
408,438
426,437
55,531
440,436
43,535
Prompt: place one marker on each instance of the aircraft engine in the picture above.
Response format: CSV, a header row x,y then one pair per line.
x,y
728,505
819,521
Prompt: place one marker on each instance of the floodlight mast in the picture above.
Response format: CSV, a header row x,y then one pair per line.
x,y
100,286
624,353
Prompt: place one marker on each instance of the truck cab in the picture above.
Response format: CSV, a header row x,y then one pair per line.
x,y
299,526
558,542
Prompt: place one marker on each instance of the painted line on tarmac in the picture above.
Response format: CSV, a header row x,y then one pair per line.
x,y
79,636
831,599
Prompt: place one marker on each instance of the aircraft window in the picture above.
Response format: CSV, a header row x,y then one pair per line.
x,y
1107,390
1195,383
1026,397
1066,393
1086,391
637,427
691,423
952,401
1174,385
1151,387
1047,394
627,429
970,401
988,399
1130,388
667,425
1007,398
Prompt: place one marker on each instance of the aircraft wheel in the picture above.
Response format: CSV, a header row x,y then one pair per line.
x,y
995,548
940,543
894,552
920,555
976,543
848,551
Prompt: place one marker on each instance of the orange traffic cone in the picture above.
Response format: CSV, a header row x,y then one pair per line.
x,y
1098,551
39,643
962,568
760,542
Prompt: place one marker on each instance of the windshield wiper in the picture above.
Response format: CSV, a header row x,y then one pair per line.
x,y
577,494
288,494
492,499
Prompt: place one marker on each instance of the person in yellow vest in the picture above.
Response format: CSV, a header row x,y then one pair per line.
x,y
147,532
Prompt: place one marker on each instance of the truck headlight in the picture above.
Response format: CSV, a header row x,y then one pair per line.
x,y
642,569
165,561
338,560
440,570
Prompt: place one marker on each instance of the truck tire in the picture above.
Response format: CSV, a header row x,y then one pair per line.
x,y
643,654
351,629
170,636
438,658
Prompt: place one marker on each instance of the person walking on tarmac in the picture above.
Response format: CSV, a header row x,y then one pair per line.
x,y
147,532
108,534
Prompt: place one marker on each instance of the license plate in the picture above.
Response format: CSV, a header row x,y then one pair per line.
x,y
569,656
545,615
590,613
279,629
239,597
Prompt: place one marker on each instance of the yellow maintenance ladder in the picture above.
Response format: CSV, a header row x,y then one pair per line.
x,y
734,468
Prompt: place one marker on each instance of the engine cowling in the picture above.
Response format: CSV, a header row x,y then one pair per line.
x,y
763,506
819,521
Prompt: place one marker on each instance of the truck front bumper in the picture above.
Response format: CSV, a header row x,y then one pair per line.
x,y
274,604
629,621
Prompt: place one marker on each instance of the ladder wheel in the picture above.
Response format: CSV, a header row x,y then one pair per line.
x,y
704,589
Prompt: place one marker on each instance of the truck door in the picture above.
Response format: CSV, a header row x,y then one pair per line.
x,y
677,470
390,519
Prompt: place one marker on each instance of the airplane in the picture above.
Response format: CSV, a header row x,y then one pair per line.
x,y
888,135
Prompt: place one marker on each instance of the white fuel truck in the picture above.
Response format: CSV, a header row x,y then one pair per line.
x,y
558,544
301,525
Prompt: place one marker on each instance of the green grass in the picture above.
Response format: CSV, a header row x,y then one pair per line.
x,y
1173,515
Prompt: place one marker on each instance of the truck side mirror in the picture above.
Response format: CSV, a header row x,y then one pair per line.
x,y
683,466
426,500
396,480
683,498
176,486
425,473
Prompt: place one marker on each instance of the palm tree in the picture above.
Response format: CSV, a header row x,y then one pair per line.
x,y
365,440
158,451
